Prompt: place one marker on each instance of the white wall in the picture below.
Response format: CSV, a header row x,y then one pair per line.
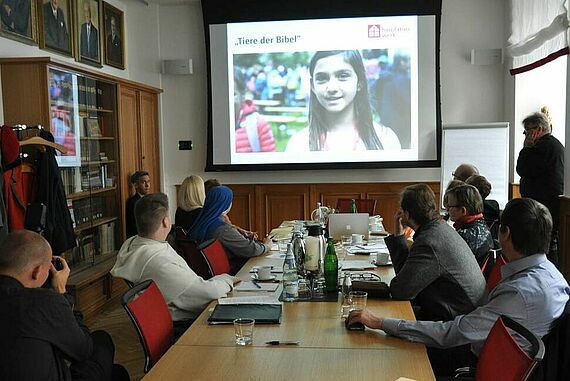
x,y
142,48
468,93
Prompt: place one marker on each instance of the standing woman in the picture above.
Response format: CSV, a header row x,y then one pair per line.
x,y
191,196
211,224
340,117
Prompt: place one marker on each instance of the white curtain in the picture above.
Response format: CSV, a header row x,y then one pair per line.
x,y
539,32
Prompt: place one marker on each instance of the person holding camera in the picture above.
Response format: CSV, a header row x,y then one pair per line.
x,y
40,333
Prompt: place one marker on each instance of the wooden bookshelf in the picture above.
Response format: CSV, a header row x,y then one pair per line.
x,y
90,193
93,224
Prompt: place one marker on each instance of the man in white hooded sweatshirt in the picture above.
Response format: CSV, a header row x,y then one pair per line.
x,y
148,256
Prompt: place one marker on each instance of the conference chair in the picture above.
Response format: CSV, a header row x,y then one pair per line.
x,y
495,273
556,363
188,249
215,256
149,313
502,358
362,206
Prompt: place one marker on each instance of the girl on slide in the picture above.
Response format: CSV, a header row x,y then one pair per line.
x,y
340,117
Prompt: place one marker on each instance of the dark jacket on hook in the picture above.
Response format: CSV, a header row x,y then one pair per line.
x,y
59,227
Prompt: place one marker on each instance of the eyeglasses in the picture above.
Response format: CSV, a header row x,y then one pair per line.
x,y
527,130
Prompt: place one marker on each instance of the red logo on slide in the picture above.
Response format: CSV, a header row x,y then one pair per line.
x,y
374,31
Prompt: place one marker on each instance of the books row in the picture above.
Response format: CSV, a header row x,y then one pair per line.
x,y
89,246
84,179
86,210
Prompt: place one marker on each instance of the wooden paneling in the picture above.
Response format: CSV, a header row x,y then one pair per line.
x,y
243,208
514,191
278,202
31,106
261,207
129,152
149,142
564,228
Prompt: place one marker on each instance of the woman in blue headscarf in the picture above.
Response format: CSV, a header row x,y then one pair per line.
x,y
211,224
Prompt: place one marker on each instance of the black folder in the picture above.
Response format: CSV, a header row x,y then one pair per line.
x,y
262,313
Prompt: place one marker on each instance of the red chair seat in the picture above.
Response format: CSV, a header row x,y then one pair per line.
x,y
215,255
188,249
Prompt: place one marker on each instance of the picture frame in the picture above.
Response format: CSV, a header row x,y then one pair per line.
x,y
55,27
87,32
18,21
114,36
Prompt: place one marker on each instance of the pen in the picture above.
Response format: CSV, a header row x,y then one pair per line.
x,y
255,283
277,342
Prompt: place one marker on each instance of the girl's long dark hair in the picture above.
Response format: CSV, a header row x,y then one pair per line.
x,y
362,111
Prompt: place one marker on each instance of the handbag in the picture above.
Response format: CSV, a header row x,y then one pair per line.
x,y
374,288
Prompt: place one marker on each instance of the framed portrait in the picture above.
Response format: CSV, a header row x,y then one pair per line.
x,y
88,31
114,36
55,26
92,127
18,20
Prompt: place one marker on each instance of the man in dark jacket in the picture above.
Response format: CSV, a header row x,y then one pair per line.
x,y
541,168
141,182
438,272
56,34
39,330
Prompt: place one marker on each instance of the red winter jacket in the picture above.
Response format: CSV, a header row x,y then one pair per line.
x,y
258,139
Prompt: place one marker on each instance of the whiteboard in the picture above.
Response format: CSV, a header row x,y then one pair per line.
x,y
485,145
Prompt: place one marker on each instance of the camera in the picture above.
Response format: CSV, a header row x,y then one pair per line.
x,y
57,264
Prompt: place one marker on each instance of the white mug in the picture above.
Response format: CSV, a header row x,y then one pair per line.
x,y
264,272
357,238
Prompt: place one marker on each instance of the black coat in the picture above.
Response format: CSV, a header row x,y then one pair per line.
x,y
59,227
541,168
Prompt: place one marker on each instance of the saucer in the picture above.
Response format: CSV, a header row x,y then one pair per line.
x,y
270,279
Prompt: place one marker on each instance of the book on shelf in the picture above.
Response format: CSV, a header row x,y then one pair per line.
x,y
71,212
107,237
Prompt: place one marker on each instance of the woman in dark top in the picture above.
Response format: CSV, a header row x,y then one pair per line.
x,y
191,196
465,207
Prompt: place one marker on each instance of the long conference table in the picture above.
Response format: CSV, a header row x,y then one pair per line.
x,y
326,350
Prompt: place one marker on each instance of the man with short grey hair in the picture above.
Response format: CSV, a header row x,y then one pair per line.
x,y
541,168
463,171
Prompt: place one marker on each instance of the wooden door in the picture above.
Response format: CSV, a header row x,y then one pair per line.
x,y
149,141
128,143
242,213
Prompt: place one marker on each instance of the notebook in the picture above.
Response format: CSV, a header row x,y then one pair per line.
x,y
347,223
262,313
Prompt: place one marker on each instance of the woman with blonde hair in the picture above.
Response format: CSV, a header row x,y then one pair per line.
x,y
191,196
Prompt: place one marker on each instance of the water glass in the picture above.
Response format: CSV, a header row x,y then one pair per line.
x,y
244,331
357,300
319,288
304,289
282,245
346,240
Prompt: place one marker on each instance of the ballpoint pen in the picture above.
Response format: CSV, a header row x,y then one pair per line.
x,y
284,342
255,283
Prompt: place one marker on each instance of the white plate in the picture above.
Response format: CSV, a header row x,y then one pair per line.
x,y
270,279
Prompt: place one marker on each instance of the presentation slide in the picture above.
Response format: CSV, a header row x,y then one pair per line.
x,y
341,90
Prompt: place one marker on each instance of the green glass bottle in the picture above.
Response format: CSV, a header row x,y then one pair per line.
x,y
353,206
331,267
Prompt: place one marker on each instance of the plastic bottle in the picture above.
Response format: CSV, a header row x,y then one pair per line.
x,y
290,277
331,267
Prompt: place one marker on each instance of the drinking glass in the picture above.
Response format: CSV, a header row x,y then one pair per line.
x,y
304,289
346,240
357,300
244,331
282,245
319,288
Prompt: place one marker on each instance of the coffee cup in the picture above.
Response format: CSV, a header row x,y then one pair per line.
x,y
382,258
357,238
264,272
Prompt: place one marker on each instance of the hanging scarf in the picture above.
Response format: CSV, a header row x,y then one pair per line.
x,y
218,200
459,224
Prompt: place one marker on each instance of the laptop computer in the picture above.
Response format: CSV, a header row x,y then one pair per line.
x,y
348,223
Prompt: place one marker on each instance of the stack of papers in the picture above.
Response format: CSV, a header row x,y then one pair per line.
x,y
251,286
367,249
249,300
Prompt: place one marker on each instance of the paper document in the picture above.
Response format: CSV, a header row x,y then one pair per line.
x,y
357,265
249,300
359,249
250,286
276,255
